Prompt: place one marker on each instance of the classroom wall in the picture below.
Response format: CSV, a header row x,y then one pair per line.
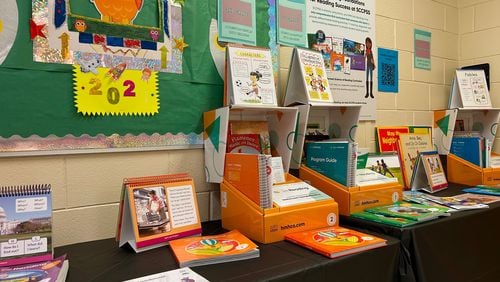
x,y
86,187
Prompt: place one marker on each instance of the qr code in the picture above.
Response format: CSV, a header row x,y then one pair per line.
x,y
388,74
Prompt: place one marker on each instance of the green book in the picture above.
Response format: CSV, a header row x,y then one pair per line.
x,y
411,211
392,221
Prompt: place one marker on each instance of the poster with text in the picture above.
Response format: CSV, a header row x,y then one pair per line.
x,y
344,32
422,59
237,21
292,23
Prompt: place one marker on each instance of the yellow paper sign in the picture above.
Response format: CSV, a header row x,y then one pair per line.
x,y
115,91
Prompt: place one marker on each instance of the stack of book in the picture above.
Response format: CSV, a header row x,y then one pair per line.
x,y
402,214
471,147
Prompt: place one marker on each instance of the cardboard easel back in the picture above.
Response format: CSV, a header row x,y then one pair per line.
x,y
296,92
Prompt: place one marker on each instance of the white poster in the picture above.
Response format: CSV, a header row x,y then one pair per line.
x,y
344,32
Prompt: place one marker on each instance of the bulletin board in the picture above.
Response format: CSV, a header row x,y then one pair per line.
x,y
38,114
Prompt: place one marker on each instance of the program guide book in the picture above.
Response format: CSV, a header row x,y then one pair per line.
x,y
25,224
204,250
335,241
157,209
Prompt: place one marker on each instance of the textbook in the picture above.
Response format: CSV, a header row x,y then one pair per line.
x,y
334,159
157,209
412,211
251,174
250,128
295,193
409,146
388,220
428,173
365,177
25,224
249,77
204,250
184,274
335,241
54,270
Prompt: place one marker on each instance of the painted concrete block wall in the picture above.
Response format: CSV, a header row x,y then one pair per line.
x,y
479,28
86,188
420,91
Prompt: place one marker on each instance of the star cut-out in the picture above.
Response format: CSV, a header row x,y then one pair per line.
x,y
180,44
36,30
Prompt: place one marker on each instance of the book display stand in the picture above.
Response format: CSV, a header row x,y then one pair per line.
x,y
265,225
340,121
465,115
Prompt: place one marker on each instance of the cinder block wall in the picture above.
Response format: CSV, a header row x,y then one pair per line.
x,y
87,187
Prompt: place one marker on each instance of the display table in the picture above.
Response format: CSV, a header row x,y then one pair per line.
x,y
283,261
462,247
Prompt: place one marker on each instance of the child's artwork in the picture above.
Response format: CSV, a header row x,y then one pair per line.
x,y
141,34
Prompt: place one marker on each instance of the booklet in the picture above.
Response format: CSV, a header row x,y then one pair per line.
x,y
412,211
335,241
54,270
184,274
483,190
203,250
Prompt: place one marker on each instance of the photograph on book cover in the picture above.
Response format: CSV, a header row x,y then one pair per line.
x,y
151,211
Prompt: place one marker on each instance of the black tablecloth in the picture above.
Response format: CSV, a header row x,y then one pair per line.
x,y
462,247
103,260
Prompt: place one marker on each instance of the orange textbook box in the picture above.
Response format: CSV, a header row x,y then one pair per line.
x,y
353,199
271,224
463,172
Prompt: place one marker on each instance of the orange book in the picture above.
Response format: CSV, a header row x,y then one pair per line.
x,y
251,175
335,241
203,250
253,127
387,137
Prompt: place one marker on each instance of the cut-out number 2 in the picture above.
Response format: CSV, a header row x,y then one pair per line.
x,y
113,94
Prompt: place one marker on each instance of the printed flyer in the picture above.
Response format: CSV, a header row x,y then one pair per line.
x,y
344,32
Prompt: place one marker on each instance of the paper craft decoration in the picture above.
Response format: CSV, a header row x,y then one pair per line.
x,y
26,224
143,35
237,21
307,76
157,209
8,27
428,173
469,90
115,91
249,77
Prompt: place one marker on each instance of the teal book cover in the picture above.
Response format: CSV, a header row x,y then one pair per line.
x,y
412,211
330,158
483,190
388,220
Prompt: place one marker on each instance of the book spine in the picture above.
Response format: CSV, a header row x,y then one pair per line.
x,y
265,182
352,162
25,190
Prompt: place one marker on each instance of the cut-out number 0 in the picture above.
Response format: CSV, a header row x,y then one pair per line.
x,y
113,92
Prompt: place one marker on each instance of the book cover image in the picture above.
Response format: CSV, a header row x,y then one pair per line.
x,y
237,127
335,241
151,211
203,250
251,76
25,224
468,148
332,159
296,193
314,73
434,171
409,147
386,164
388,136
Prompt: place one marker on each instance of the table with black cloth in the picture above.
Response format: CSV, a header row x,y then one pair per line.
x,y
103,260
462,247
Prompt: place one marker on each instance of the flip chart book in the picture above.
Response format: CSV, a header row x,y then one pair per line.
x,y
157,209
469,90
249,79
